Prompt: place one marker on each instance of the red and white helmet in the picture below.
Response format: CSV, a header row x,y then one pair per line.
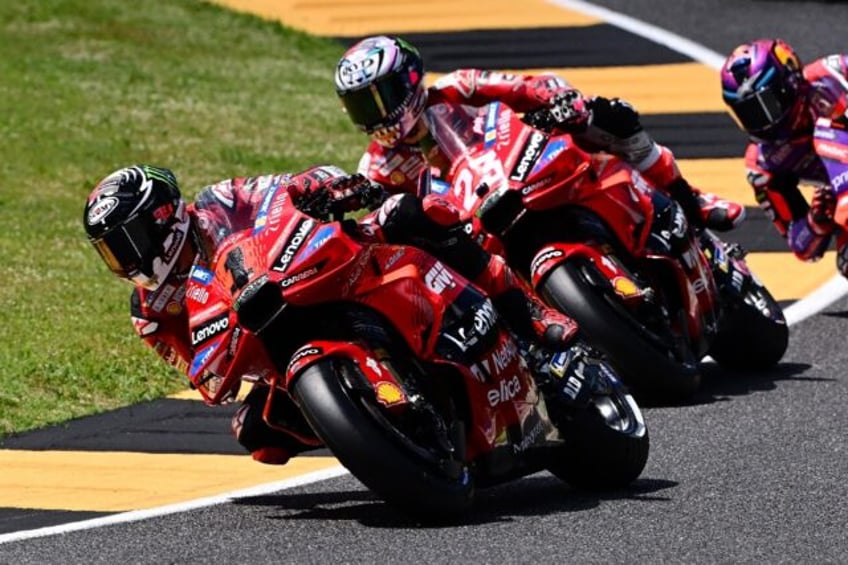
x,y
380,81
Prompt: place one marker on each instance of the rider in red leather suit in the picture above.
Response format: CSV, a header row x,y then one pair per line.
x,y
776,101
380,83
138,222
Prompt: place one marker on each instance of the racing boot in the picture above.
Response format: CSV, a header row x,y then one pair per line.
x,y
264,443
718,213
522,309
706,210
703,210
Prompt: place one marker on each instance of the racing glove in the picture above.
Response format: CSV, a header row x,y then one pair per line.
x,y
353,192
570,111
822,209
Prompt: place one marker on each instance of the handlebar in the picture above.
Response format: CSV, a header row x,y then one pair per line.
x,y
541,119
322,205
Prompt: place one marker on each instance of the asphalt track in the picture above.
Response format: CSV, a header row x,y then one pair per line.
x,y
751,470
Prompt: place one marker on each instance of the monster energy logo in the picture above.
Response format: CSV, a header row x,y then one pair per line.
x,y
162,175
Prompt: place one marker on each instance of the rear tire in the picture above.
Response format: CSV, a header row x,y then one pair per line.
x,y
642,364
753,335
375,454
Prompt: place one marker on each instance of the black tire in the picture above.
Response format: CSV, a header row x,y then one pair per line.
x,y
597,457
753,335
373,453
643,363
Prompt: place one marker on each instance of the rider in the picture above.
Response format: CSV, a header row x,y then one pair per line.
x,y
776,101
380,83
146,233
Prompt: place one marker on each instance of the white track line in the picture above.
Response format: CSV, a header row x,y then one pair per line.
x,y
136,515
825,295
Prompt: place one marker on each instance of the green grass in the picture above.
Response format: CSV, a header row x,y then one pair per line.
x,y
88,86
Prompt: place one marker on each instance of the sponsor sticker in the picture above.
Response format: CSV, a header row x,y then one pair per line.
x,y
507,390
201,358
102,209
491,133
543,258
529,154
302,354
438,278
389,393
209,329
201,275
293,245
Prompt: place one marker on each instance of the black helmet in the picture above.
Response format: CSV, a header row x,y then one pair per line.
x,y
138,222
380,81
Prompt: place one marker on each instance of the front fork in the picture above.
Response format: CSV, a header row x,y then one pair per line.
x,y
731,273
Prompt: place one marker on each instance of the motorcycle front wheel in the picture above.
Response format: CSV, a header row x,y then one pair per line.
x,y
606,442
753,334
644,359
397,462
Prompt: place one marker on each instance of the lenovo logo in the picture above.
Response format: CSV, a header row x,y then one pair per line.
x,y
529,154
210,329
293,245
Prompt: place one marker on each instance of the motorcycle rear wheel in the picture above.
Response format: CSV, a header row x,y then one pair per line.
x,y
643,363
383,457
753,334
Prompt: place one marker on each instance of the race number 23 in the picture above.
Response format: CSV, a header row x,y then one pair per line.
x,y
489,170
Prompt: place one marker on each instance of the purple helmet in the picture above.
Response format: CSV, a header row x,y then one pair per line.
x,y
380,81
761,82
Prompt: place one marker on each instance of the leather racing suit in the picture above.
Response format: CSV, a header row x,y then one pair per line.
x,y
775,168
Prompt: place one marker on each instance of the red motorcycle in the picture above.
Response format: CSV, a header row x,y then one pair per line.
x,y
601,244
400,366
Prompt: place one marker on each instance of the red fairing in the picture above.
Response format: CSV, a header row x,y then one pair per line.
x,y
698,287
550,256
221,209
388,390
549,171
295,262
503,396
497,155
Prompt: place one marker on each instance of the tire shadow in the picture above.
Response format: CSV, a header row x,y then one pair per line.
x,y
721,385
537,495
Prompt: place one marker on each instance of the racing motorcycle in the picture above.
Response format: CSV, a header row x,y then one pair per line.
x,y
602,245
400,367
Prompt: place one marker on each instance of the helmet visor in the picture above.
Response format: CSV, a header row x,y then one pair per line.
x,y
764,109
128,249
379,103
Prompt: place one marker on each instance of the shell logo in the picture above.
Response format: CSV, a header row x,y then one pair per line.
x,y
625,287
389,393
